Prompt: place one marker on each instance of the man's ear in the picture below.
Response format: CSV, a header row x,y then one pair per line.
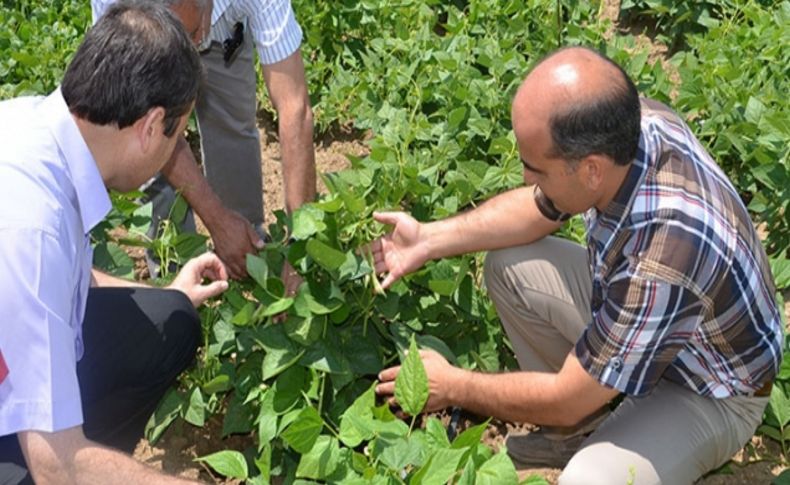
x,y
150,127
594,167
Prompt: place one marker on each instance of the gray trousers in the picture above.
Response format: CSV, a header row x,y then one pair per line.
x,y
229,140
673,436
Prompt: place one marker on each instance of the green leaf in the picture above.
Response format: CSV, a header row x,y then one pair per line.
x,y
228,463
196,412
498,470
258,269
441,465
244,316
397,452
325,255
288,388
307,221
267,418
780,267
165,413
355,423
281,352
321,460
470,436
278,307
302,434
780,405
220,383
411,385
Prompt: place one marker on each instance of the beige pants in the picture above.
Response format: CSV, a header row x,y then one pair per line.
x,y
672,436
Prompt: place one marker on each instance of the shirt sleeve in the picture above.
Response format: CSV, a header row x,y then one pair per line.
x,y
274,30
97,9
637,332
38,340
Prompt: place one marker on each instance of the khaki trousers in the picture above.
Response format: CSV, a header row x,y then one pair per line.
x,y
673,436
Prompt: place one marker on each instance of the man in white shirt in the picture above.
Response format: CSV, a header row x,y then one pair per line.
x,y
90,355
230,197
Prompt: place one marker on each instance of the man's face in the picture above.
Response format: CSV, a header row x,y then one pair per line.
x,y
144,163
560,182
196,22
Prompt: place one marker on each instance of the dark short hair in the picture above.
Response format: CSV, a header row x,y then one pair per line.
x,y
137,57
608,124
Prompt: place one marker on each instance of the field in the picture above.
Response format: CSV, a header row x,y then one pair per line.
x,y
417,94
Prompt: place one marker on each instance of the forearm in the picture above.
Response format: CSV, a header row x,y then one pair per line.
x,y
520,397
102,279
68,457
506,220
296,144
183,174
556,399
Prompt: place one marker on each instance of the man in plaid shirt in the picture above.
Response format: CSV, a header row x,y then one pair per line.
x,y
671,305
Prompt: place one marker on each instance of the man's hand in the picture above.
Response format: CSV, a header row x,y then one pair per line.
x,y
442,379
190,278
234,238
401,251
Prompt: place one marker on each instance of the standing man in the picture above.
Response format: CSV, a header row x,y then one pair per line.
x,y
90,355
230,197
671,305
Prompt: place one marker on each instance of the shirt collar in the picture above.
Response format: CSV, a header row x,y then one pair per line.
x,y
623,199
94,202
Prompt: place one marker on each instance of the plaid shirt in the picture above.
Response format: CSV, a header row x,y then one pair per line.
x,y
681,284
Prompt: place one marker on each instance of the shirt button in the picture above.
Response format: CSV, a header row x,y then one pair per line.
x,y
616,362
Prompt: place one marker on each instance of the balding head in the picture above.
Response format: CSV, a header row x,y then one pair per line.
x,y
583,103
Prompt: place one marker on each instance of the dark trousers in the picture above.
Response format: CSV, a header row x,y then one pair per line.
x,y
137,341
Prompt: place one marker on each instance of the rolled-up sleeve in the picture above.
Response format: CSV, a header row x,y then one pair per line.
x,y
38,340
274,29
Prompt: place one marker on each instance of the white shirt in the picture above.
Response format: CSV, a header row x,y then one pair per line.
x,y
270,23
51,195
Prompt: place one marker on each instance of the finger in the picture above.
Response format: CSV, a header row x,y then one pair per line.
x,y
389,280
213,267
255,239
204,292
381,267
389,374
386,389
388,217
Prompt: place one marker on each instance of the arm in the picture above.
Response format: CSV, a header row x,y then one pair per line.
x,y
561,399
189,280
101,279
232,234
508,219
68,457
285,81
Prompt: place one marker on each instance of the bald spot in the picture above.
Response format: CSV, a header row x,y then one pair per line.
x,y
568,77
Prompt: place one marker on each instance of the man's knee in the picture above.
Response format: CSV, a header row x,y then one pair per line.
x,y
180,330
604,464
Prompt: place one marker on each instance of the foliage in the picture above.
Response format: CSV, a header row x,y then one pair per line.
x,y
36,42
734,92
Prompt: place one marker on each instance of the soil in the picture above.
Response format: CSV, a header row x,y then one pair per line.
x,y
176,451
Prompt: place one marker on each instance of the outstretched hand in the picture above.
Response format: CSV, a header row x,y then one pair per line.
x,y
190,279
399,252
443,378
